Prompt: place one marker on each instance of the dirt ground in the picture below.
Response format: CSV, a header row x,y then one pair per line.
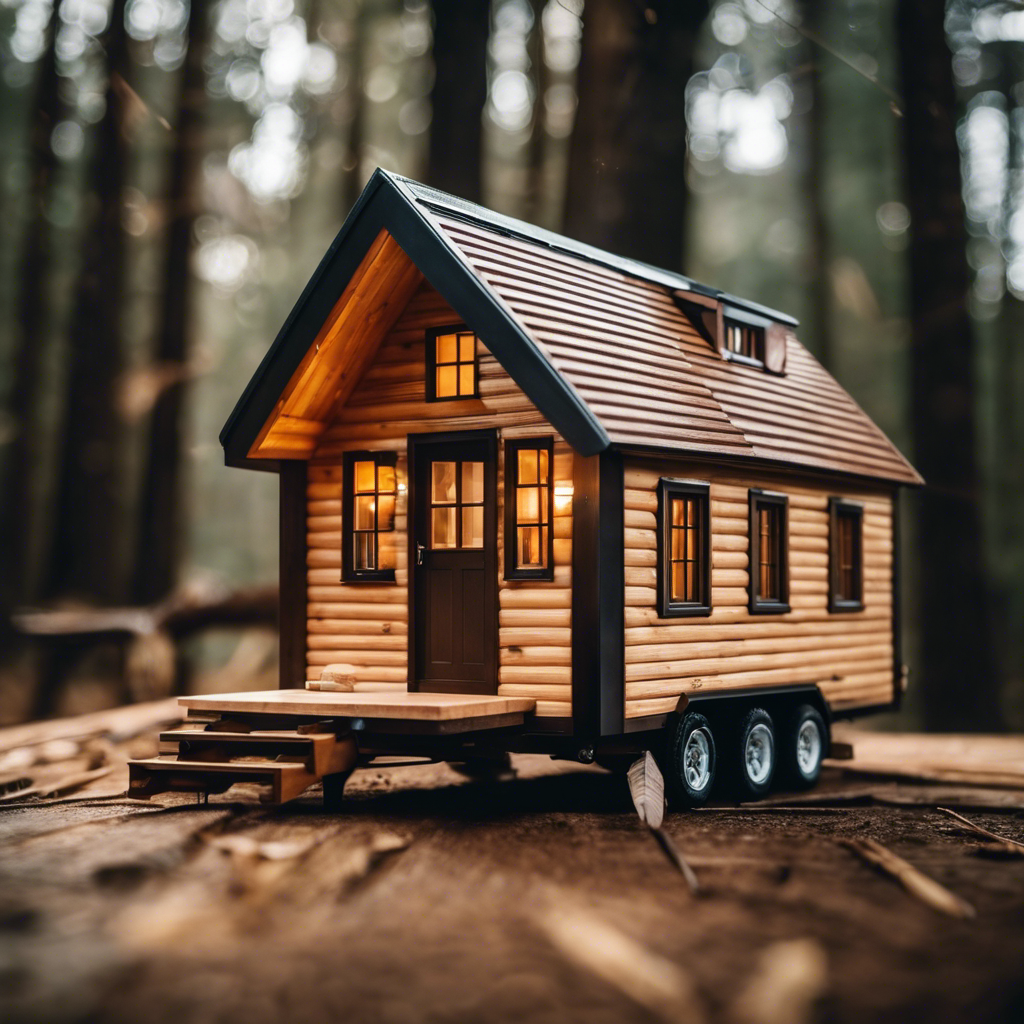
x,y
535,898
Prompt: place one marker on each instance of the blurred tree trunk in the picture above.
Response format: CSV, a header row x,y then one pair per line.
x,y
89,521
1007,499
537,150
814,13
30,335
627,160
958,681
353,183
158,541
461,29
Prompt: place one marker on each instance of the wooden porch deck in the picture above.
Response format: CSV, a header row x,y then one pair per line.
x,y
423,707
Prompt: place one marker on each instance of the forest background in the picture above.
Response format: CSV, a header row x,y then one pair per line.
x,y
171,172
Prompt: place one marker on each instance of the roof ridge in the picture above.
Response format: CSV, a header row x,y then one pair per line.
x,y
474,213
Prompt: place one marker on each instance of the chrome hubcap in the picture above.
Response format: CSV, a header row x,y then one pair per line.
x,y
757,755
808,747
697,760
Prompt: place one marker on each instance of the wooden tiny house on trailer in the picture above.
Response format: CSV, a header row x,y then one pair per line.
x,y
629,510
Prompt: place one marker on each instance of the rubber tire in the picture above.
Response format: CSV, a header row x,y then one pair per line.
x,y
789,767
745,786
680,792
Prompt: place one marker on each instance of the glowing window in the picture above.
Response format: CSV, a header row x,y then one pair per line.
x,y
684,548
528,509
369,489
451,364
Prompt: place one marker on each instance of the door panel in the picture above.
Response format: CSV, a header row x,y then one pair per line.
x,y
453,541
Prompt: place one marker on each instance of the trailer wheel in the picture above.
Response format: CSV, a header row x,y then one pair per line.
x,y
755,753
804,747
692,761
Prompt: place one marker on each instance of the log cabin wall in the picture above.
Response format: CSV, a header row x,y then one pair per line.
x,y
849,655
367,625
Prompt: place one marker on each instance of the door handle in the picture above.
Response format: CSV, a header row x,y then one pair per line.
x,y
419,554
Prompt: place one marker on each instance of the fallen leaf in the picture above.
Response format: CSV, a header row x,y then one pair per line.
x,y
647,787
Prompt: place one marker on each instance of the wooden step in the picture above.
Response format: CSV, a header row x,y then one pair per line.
x,y
154,775
289,763
312,749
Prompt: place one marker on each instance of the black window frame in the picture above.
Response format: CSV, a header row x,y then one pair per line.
x,y
669,488
512,449
753,331
843,507
732,316
761,605
432,334
349,574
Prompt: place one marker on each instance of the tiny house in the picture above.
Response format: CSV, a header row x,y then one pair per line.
x,y
534,496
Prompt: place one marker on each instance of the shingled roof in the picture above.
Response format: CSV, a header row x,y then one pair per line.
x,y
601,344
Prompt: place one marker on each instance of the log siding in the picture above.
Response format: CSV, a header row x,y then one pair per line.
x,y
850,655
367,625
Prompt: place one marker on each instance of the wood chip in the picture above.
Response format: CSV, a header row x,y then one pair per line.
x,y
789,979
918,884
248,846
661,987
997,844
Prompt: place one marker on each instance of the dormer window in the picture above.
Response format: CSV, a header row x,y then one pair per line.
x,y
746,340
451,371
739,334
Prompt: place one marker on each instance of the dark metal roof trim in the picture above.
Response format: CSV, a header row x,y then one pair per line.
x,y
786,466
461,209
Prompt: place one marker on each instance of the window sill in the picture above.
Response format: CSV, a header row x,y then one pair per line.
x,y
769,607
684,611
452,398
536,575
374,576
737,357
839,607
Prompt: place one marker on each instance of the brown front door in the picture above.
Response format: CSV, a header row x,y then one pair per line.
x,y
454,556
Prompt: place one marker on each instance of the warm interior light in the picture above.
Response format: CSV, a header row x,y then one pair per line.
x,y
563,499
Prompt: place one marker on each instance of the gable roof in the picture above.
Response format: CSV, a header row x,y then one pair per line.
x,y
597,342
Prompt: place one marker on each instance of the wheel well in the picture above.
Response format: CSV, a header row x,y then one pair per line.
x,y
777,701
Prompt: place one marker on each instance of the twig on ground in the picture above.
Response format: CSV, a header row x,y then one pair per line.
x,y
918,884
997,844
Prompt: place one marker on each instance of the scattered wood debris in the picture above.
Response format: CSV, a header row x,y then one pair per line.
x,y
661,987
789,979
65,784
918,884
997,845
993,761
